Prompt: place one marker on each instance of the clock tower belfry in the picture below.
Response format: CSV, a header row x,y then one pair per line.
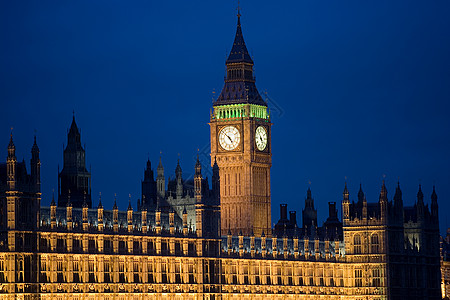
x,y
241,146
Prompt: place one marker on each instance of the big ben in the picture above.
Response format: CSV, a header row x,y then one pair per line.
x,y
241,146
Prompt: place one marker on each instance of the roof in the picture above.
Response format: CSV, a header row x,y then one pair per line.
x,y
239,52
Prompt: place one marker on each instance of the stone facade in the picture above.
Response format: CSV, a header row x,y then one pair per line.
x,y
380,250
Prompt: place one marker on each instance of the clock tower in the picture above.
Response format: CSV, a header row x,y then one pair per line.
x,y
241,146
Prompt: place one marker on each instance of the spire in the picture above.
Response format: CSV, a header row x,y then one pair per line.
x,y
198,167
239,85
398,193
345,193
360,194
115,202
129,202
100,200
433,195
35,148
11,146
160,166
420,195
434,205
383,192
239,52
178,169
53,199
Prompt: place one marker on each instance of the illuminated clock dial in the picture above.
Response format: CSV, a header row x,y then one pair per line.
x,y
229,137
261,138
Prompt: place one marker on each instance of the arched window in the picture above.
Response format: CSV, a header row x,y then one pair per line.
x,y
375,243
357,244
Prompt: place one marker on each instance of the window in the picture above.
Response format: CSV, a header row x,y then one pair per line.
x,y
136,272
91,271
376,277
358,278
122,278
177,272
106,270
59,270
375,244
357,244
76,271
150,272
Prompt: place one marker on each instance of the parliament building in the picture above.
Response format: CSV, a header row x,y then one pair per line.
x,y
211,238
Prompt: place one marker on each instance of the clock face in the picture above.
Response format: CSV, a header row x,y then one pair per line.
x,y
229,137
261,138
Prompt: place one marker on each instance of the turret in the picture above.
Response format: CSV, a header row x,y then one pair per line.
x,y
35,166
309,213
383,202
115,215
346,204
179,179
398,205
53,213
160,180
11,163
68,213
158,220
434,206
130,215
171,221
198,178
144,218
216,180
185,225
100,213
85,215
420,205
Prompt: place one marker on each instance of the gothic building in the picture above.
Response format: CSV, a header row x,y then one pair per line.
x,y
226,248
74,181
241,146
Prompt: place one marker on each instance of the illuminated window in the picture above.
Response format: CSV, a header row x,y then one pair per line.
x,y
376,277
357,244
375,244
358,278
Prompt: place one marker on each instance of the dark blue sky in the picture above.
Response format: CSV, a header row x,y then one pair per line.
x,y
358,89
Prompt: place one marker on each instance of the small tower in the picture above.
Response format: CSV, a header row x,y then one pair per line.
x,y
199,205
172,221
144,219
434,206
130,215
383,201
68,213
309,213
398,205
158,220
35,166
100,213
11,163
149,187
115,215
85,215
420,205
179,179
215,180
346,204
160,181
53,213
74,175
185,224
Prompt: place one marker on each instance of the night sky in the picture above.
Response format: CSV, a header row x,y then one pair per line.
x,y
357,90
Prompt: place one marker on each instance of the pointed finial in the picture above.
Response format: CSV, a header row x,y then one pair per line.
x,y
239,9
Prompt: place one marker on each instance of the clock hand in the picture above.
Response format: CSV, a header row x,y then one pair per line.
x,y
229,138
